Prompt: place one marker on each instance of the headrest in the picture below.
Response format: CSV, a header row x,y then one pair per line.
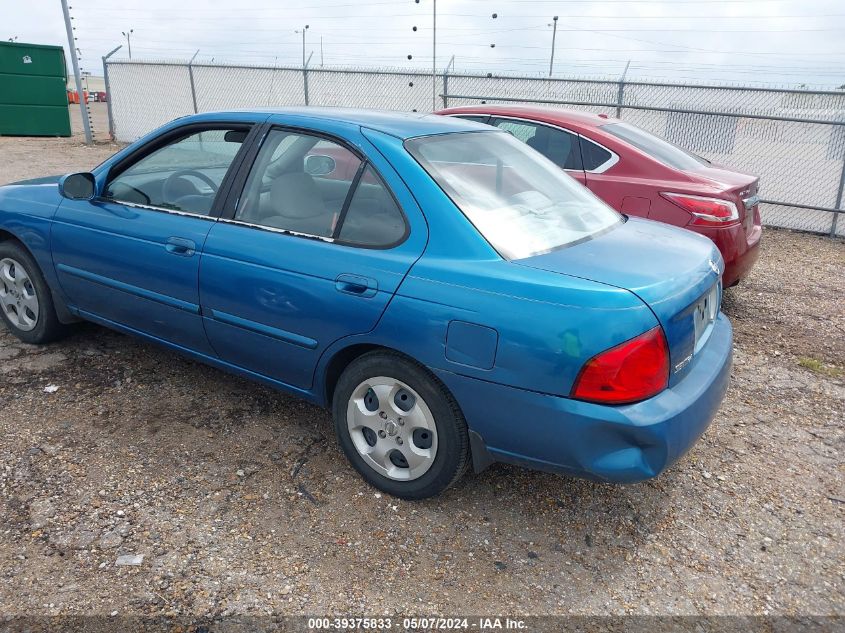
x,y
296,195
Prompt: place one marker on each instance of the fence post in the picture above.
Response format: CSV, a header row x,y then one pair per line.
x,y
108,90
621,93
305,77
838,205
446,82
191,76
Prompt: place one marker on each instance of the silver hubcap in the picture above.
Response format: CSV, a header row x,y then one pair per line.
x,y
392,428
17,295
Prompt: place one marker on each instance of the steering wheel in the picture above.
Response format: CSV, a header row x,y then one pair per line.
x,y
171,179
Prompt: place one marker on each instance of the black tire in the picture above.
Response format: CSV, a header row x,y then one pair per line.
x,y
452,456
47,325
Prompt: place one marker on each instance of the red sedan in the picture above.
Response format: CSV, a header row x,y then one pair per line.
x,y
640,174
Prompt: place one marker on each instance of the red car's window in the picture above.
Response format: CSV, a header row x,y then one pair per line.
x,y
664,151
558,146
594,156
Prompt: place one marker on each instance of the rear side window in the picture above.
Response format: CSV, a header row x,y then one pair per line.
x,y
667,153
299,183
373,218
558,146
594,156
310,185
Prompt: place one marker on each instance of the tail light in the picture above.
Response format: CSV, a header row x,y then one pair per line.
x,y
705,211
632,371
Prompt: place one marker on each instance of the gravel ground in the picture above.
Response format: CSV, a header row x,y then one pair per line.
x,y
240,501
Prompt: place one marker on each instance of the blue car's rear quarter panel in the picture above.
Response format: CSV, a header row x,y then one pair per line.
x,y
546,325
617,444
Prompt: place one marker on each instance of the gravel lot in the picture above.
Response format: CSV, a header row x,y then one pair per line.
x,y
241,502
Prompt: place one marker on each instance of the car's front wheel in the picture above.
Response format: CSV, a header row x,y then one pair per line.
x,y
26,305
399,426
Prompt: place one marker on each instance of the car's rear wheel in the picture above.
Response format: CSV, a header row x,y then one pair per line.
x,y
26,305
399,426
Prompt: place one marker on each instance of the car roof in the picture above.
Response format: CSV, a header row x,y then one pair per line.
x,y
399,124
546,113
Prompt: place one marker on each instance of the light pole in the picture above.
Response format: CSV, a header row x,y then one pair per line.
x,y
554,34
303,44
127,35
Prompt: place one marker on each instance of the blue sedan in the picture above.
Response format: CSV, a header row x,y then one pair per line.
x,y
452,296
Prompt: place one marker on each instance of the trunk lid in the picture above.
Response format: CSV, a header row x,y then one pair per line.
x,y
674,271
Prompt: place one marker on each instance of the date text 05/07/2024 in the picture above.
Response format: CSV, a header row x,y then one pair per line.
x,y
417,624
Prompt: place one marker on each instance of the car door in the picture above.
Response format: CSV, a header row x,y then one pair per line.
x,y
560,146
130,256
312,250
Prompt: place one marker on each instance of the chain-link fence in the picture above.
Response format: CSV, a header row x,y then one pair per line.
x,y
793,139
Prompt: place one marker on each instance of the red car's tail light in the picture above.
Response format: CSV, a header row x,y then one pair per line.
x,y
705,211
632,371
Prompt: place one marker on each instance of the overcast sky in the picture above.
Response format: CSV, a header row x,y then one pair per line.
x,y
783,42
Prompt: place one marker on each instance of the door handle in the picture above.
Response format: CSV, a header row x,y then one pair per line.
x,y
356,285
180,246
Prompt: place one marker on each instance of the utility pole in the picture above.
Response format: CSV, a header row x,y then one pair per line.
x,y
554,35
321,51
126,34
83,107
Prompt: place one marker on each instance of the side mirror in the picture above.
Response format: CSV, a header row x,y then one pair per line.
x,y
81,186
319,165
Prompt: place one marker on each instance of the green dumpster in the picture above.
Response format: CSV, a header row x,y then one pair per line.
x,y
33,93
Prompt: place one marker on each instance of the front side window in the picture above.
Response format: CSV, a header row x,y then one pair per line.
x,y
558,146
306,184
521,202
183,175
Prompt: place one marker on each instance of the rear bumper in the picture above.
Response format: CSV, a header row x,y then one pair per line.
x,y
616,444
739,250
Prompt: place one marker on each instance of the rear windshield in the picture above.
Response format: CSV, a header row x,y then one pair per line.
x,y
664,151
520,201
